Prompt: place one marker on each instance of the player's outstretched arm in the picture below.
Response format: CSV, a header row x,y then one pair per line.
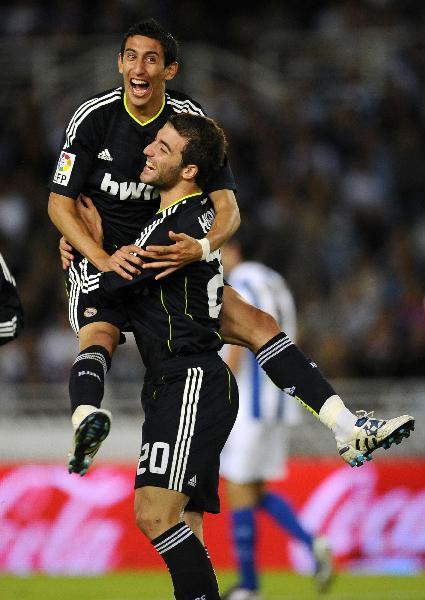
x,y
187,249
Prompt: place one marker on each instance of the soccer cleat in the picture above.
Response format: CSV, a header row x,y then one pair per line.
x,y
88,438
323,569
369,434
238,593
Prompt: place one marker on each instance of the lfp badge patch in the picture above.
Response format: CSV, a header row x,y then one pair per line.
x,y
64,169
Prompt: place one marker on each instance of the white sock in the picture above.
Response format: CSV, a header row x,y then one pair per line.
x,y
80,413
335,415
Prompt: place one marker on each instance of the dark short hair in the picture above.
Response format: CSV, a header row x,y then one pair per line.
x,y
206,143
152,29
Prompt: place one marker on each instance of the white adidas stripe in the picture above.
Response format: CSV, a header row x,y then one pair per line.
x,y
74,294
7,274
94,356
84,110
8,328
272,350
174,539
186,447
184,106
186,427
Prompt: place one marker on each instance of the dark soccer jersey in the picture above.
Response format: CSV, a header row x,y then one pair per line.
x,y
178,315
102,157
11,313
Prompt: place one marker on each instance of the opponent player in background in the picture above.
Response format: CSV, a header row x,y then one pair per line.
x,y
102,157
11,312
256,450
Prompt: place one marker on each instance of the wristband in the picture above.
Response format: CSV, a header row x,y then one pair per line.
x,y
206,248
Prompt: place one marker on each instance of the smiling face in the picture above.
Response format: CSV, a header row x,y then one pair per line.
x,y
163,168
144,75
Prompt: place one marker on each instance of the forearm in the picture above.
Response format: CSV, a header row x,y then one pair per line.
x,y
227,218
63,214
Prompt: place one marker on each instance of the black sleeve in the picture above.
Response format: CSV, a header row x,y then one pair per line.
x,y
11,312
75,159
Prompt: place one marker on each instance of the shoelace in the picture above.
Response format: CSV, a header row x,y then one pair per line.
x,y
364,413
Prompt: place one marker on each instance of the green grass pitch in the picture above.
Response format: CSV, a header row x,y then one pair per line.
x,y
145,585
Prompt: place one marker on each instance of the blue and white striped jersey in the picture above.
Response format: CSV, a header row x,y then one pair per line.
x,y
263,287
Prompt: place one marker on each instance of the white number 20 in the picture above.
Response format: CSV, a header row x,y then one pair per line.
x,y
159,453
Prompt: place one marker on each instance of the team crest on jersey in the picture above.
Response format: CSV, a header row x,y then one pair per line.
x,y
64,168
90,312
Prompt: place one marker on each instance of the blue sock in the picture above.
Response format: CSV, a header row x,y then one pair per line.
x,y
281,511
244,538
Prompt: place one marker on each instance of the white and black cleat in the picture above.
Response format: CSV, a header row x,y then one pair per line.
x,y
369,434
88,437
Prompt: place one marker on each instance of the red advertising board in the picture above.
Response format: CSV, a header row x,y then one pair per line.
x,y
54,522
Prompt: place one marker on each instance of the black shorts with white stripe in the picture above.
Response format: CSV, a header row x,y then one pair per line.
x,y
84,305
190,406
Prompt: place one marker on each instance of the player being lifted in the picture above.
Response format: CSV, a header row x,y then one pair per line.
x,y
101,157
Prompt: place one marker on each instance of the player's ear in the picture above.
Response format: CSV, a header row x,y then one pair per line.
x,y
190,172
171,70
120,68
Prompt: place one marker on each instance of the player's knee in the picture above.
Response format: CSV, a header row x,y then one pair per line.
x,y
264,327
152,522
99,334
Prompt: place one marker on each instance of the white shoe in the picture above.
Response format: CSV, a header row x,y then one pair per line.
x,y
88,437
238,593
369,434
323,571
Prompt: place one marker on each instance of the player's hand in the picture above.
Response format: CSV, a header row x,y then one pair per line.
x,y
65,251
184,251
124,262
88,213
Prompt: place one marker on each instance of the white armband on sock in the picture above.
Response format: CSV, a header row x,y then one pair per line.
x,y
206,248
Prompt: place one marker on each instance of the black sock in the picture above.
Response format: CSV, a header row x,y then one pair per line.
x,y
294,373
188,563
87,377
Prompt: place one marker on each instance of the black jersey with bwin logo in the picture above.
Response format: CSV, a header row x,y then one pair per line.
x,y
179,314
102,157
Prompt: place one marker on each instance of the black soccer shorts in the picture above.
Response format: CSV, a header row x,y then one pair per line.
x,y
190,407
84,304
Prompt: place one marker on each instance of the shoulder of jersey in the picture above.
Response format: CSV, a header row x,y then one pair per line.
x,y
181,103
101,104
105,98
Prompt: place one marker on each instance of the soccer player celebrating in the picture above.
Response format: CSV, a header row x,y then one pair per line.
x,y
101,157
190,398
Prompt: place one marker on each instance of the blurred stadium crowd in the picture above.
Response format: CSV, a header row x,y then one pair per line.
x,y
328,155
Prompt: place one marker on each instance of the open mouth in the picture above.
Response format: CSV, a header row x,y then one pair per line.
x,y
139,86
149,166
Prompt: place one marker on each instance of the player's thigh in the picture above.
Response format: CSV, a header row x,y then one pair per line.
x,y
99,333
244,495
244,324
94,321
255,451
